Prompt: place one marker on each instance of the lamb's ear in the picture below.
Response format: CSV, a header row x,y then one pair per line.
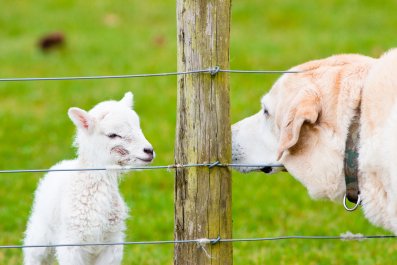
x,y
128,100
81,119
305,108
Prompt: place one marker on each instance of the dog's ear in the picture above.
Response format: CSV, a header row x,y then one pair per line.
x,y
304,108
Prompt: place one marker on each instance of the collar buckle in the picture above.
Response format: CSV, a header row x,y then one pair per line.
x,y
351,163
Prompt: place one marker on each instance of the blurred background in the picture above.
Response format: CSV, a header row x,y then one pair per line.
x,y
46,38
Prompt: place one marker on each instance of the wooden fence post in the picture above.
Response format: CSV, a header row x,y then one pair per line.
x,y
203,196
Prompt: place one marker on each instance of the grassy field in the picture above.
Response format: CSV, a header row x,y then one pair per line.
x,y
124,37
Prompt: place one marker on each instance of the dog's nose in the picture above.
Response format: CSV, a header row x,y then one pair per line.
x,y
266,170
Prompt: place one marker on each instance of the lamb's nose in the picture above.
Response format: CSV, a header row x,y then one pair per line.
x,y
149,151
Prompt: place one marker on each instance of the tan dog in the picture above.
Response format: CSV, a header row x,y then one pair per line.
x,y
304,123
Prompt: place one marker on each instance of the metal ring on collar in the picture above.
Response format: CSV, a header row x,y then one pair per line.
x,y
354,207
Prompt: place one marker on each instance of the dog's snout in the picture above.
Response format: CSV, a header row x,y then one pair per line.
x,y
266,170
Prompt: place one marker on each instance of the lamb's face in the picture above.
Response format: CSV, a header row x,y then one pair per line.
x,y
123,139
110,134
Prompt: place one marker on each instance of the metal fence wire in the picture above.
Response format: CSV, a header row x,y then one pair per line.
x,y
212,71
201,242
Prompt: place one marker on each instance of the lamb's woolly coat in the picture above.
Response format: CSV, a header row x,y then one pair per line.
x,y
304,124
86,206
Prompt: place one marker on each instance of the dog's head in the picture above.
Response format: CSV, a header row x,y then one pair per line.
x,y
264,137
303,123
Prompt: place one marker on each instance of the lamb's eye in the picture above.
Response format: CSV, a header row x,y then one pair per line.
x,y
113,136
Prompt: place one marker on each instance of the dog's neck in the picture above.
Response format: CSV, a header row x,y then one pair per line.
x,y
351,158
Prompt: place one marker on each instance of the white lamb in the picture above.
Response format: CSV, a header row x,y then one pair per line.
x,y
86,206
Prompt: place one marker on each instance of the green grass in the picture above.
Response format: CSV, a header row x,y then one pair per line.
x,y
36,132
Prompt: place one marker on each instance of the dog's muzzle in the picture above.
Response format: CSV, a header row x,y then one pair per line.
x,y
273,169
266,170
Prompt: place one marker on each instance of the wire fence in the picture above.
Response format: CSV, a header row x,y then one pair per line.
x,y
212,71
206,241
121,168
202,241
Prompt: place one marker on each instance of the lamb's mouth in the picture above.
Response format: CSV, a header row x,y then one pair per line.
x,y
146,160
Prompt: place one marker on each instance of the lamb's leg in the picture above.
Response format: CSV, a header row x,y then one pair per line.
x,y
38,256
111,255
36,234
71,255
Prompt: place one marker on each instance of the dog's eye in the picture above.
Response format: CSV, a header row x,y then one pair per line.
x,y
113,136
266,112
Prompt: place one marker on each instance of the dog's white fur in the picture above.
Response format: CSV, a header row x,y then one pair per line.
x,y
86,206
304,123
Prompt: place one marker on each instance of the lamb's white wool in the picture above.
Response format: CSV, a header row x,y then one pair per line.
x,y
86,207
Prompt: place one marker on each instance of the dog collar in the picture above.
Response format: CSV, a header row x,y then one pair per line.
x,y
351,163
